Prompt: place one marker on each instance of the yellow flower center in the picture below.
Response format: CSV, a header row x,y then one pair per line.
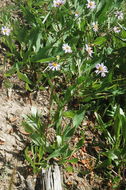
x,y
91,3
54,64
76,12
5,30
101,68
67,48
58,3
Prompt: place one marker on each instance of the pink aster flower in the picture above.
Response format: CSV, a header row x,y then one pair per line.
x,y
116,29
67,48
119,15
54,66
5,31
58,3
101,69
91,4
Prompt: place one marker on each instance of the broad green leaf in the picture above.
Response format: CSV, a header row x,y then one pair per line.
x,y
58,152
23,77
111,155
100,40
104,7
41,54
78,118
69,114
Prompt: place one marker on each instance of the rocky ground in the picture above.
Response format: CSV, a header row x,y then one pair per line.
x,y
13,139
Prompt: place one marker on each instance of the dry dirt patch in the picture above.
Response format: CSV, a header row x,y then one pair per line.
x,y
13,168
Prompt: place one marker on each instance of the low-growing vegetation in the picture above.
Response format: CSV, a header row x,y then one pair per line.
x,y
76,50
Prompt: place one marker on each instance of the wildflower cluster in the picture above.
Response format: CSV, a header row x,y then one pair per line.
x,y
75,49
100,68
89,45
119,15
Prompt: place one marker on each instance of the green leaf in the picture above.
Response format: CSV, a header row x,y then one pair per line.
x,y
74,160
23,77
100,40
69,169
118,125
124,128
38,42
46,18
46,60
28,158
58,152
100,5
41,54
27,87
111,155
11,71
69,132
78,118
105,163
104,7
80,143
69,114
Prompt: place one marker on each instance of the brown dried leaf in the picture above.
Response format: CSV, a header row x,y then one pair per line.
x,y
2,141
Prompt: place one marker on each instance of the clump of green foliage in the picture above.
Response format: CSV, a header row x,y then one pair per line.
x,y
76,49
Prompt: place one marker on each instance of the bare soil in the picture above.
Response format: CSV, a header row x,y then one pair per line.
x,y
13,139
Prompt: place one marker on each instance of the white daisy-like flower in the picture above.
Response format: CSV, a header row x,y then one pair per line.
x,y
5,31
54,66
89,49
91,4
101,69
58,3
95,26
67,48
116,29
119,15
